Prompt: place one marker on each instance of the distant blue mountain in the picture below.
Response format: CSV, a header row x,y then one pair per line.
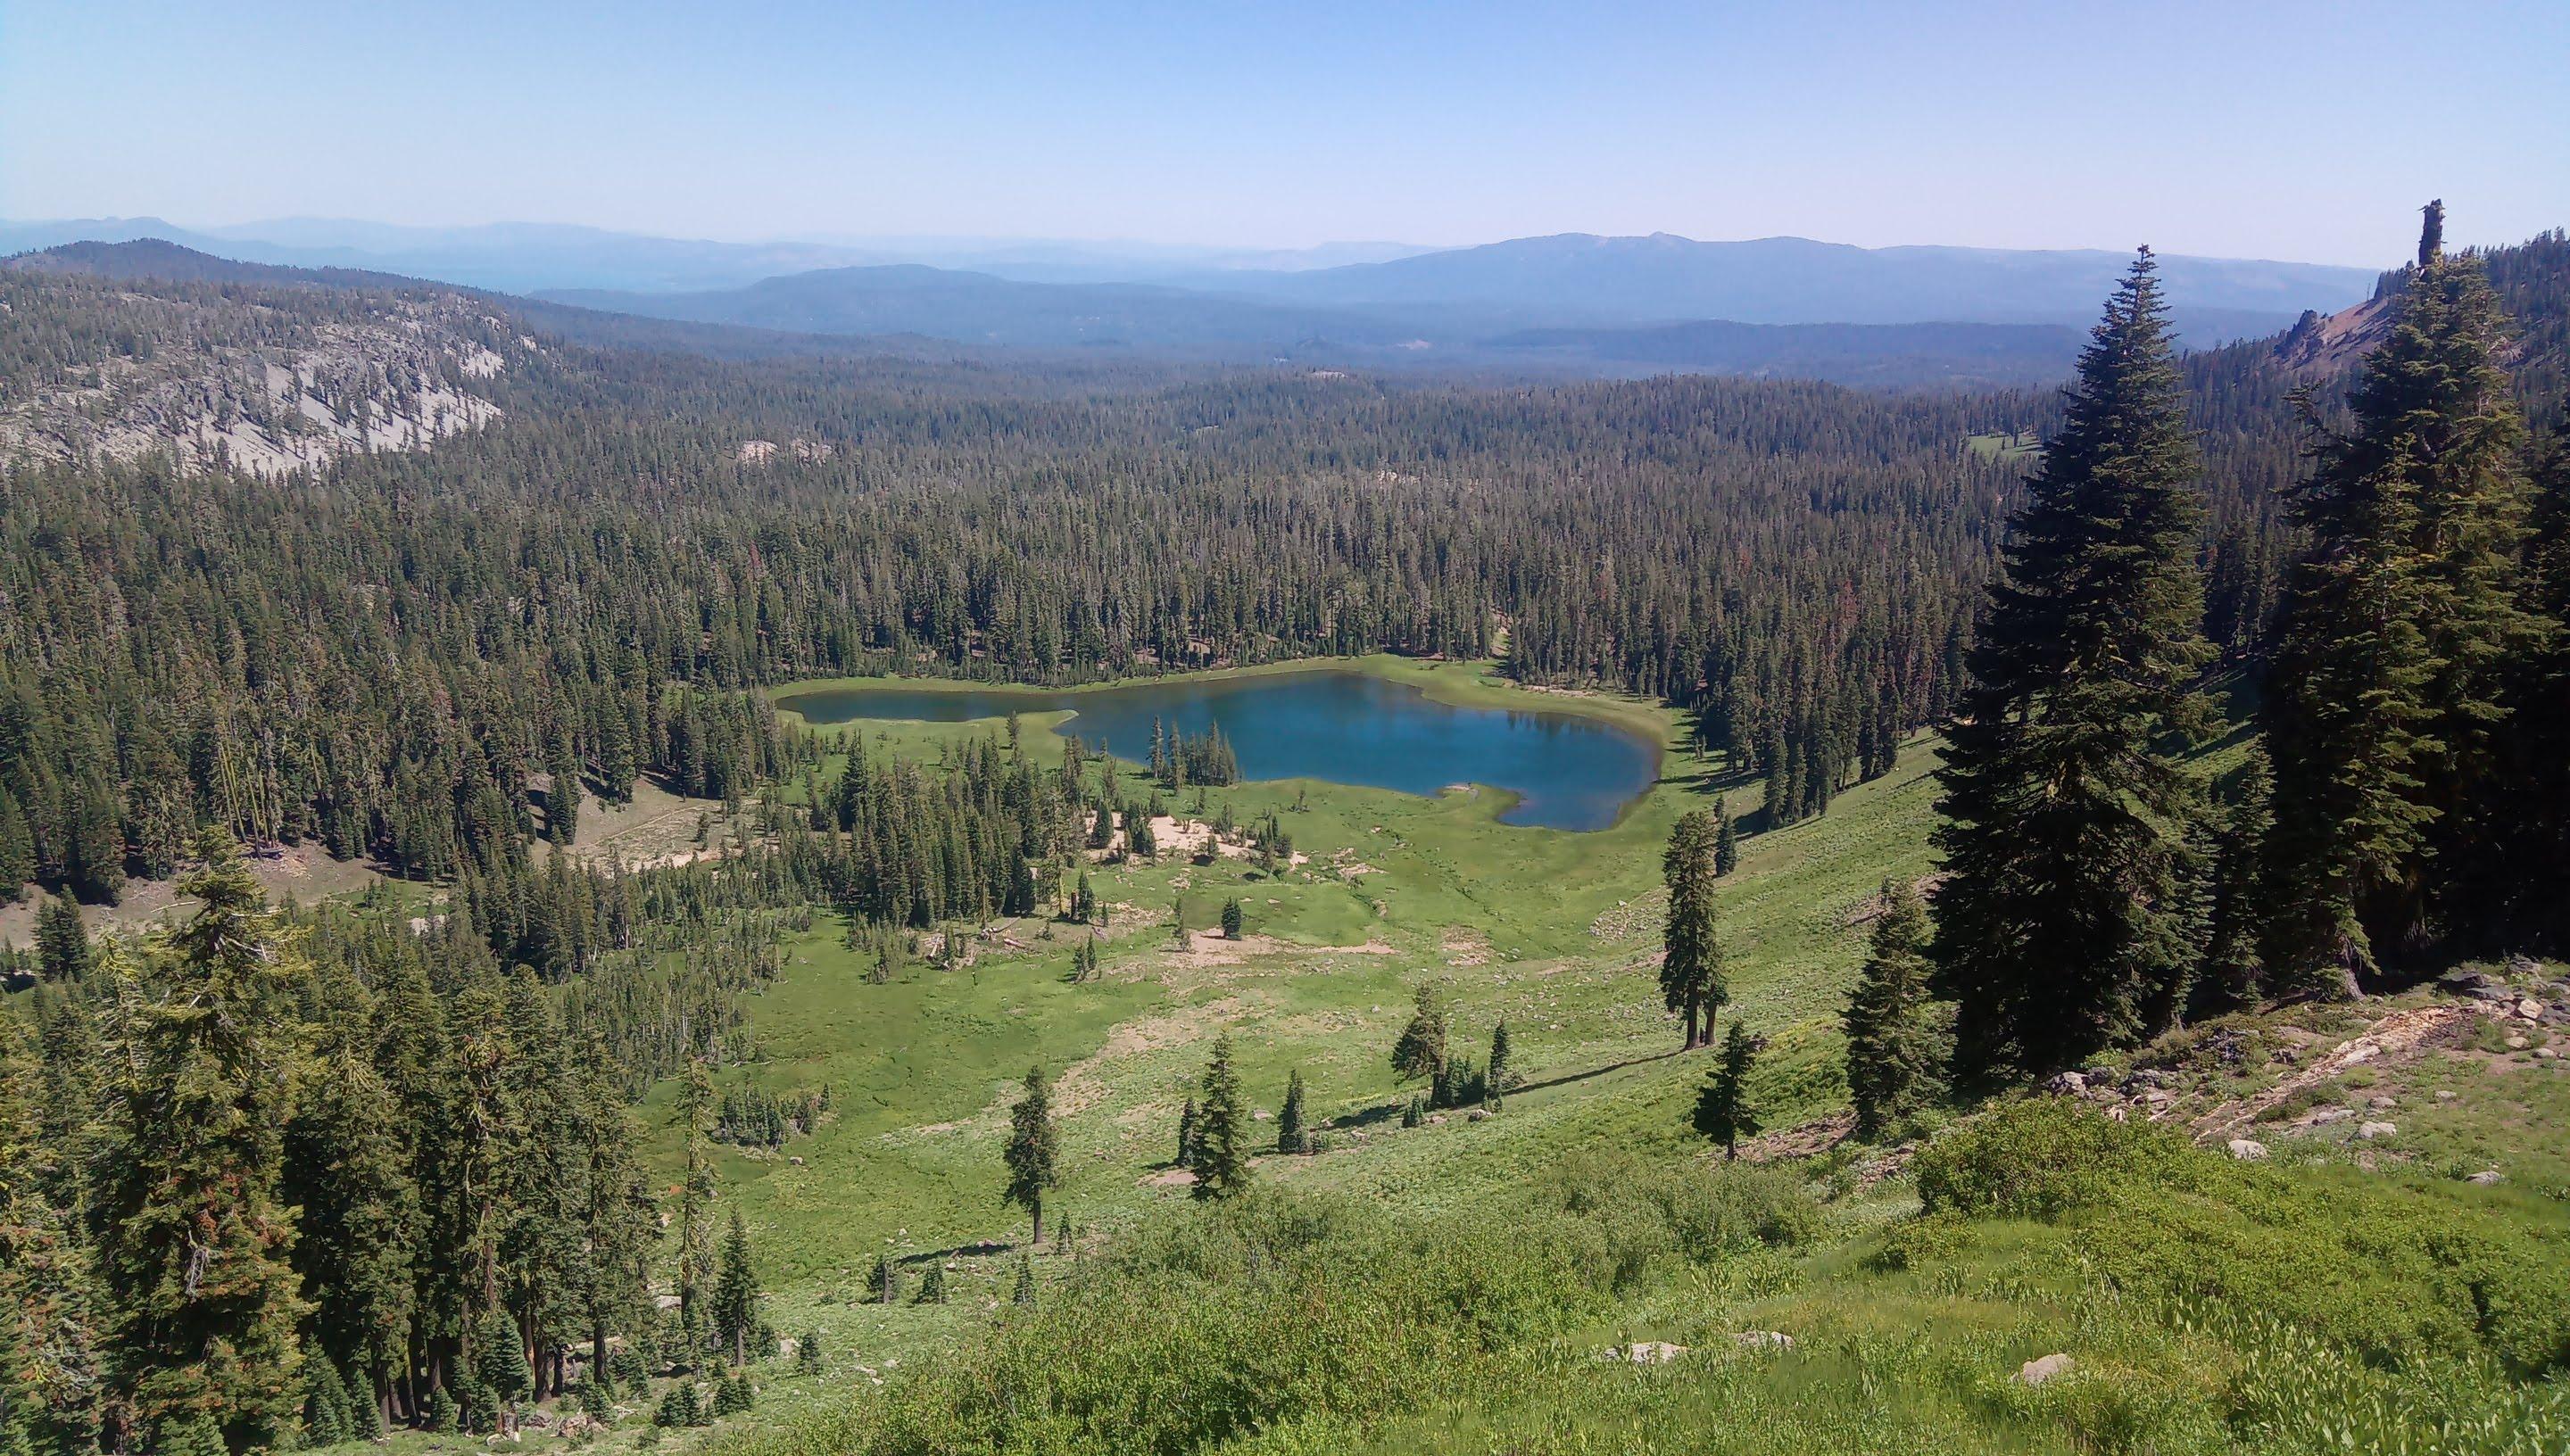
x,y
1663,277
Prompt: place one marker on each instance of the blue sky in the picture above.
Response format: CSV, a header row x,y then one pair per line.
x,y
2296,131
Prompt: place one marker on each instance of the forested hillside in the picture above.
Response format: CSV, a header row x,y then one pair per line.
x,y
2245,672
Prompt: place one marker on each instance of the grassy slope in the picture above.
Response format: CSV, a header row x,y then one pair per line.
x,y
1552,931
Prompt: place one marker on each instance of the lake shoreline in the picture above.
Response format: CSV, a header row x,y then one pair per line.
x,y
1647,730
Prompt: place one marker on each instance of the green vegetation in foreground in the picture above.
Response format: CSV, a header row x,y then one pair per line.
x,y
2390,1315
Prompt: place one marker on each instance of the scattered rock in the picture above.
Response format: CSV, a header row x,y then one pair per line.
x,y
2372,1130
1642,1353
2324,1116
1477,1114
1763,1339
2035,1372
2516,1044
2530,1008
2546,1053
1259,1114
2466,983
2066,1084
2247,1150
2383,1103
797,1162
2487,1178
2444,1094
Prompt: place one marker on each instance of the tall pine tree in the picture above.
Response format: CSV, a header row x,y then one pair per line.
x,y
2384,695
193,1241
1033,1150
1897,1053
2066,808
1691,983
1222,1154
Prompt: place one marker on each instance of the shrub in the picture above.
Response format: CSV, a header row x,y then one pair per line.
x,y
2039,1159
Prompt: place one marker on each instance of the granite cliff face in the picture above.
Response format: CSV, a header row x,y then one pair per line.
x,y
121,351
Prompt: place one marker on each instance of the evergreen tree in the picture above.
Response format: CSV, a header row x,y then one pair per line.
x,y
2066,806
1024,1294
1501,1074
325,1404
500,1365
1896,1054
62,945
885,1280
365,1417
679,1407
17,848
191,1434
732,1395
1222,1163
1691,979
443,1414
808,1359
1726,840
932,1285
2385,696
736,1293
2233,971
2535,839
1231,919
1191,1136
1420,1051
348,1168
694,1222
1290,1136
1033,1151
1722,1109
192,1239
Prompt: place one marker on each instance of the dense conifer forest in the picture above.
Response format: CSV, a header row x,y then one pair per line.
x,y
402,1148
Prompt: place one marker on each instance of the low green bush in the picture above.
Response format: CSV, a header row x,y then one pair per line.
x,y
2041,1158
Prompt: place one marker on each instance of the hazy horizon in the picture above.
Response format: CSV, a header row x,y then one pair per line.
x,y
2254,133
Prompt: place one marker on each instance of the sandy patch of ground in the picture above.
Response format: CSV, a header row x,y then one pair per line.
x,y
1082,1085
655,827
302,873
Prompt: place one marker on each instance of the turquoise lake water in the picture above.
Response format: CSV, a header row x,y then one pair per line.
x,y
1566,771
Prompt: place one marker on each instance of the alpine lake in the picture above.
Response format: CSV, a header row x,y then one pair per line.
x,y
1562,770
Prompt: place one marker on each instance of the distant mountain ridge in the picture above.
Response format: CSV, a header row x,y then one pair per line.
x,y
1664,277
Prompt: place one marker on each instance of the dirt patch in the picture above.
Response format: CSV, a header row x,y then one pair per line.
x,y
655,828
303,874
2402,1037
1465,947
1809,1140
1082,1085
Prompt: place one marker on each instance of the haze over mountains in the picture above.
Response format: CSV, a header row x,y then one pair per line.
x,y
1570,304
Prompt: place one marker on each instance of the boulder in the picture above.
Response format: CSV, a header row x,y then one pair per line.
x,y
2487,1178
2530,1008
2383,1103
2066,1084
2464,982
2372,1130
2247,1150
1763,1339
2324,1116
2037,1372
2516,1044
2444,1094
